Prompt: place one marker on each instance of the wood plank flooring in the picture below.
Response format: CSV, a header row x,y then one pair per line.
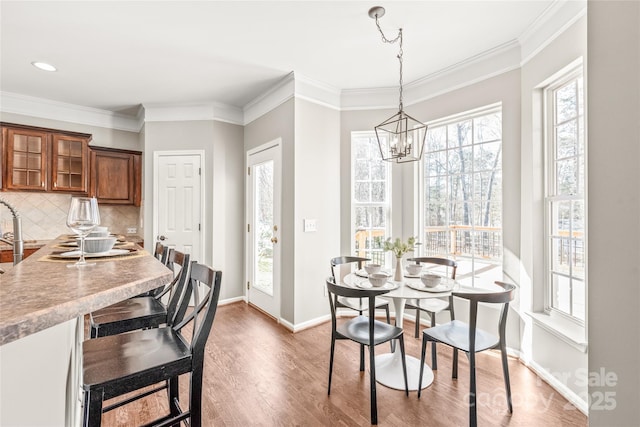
x,y
259,374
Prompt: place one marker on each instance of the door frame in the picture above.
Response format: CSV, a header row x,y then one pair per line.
x,y
277,142
203,225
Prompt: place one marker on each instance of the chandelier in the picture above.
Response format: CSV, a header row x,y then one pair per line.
x,y
400,137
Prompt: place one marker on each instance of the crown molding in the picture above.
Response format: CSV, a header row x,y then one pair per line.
x,y
188,112
554,21
278,94
54,110
498,60
317,92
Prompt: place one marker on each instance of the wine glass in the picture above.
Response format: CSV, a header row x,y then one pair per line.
x,y
82,218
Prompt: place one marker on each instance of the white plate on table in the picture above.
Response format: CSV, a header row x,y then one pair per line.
x,y
363,273
412,276
76,254
75,244
443,287
365,284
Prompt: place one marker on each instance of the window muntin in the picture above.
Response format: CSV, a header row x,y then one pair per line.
x,y
462,194
565,201
371,192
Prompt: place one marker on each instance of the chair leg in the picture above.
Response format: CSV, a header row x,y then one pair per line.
x,y
172,395
434,357
424,351
417,331
454,371
195,398
505,371
361,358
404,365
473,410
94,332
372,381
392,343
333,346
92,411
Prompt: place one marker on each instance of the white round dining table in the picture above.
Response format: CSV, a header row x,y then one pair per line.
x,y
389,365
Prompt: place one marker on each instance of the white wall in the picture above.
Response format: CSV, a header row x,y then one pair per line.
x,y
558,358
317,196
614,209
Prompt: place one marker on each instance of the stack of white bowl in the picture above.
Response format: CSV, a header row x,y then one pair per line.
x,y
99,240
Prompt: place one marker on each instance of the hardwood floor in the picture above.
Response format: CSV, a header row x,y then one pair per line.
x,y
259,374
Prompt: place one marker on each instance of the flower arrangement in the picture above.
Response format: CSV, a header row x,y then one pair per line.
x,y
398,247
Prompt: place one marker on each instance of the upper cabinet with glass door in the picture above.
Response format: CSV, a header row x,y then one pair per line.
x,y
69,163
38,159
25,166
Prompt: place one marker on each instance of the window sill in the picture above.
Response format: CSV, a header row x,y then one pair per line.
x,y
563,329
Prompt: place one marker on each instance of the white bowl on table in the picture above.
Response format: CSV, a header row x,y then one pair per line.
x,y
94,245
372,268
378,279
413,269
430,280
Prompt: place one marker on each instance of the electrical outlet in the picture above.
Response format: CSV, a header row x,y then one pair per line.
x,y
309,225
132,230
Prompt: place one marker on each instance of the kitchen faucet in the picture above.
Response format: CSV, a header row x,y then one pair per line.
x,y
18,244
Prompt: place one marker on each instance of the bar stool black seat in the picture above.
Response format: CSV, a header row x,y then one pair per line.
x,y
126,363
146,311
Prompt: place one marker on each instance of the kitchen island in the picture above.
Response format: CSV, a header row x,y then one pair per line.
x,y
42,308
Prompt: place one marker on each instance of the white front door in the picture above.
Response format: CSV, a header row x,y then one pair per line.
x,y
263,219
178,201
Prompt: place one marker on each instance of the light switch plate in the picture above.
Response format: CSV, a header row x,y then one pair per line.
x,y
310,225
132,230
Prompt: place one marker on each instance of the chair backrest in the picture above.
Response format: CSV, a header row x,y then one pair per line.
x,y
359,261
501,297
161,252
335,291
179,292
439,261
204,309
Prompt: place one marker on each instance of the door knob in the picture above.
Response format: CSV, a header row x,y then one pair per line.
x,y
162,238
274,240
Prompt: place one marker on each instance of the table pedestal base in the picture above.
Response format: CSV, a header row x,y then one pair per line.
x,y
389,372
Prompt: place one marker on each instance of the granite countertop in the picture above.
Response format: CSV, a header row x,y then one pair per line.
x,y
37,294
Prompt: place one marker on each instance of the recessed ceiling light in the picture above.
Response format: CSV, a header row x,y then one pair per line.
x,y
44,66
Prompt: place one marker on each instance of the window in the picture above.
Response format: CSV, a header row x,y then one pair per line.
x,y
565,201
462,194
371,190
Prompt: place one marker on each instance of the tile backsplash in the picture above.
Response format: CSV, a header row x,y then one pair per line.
x,y
44,215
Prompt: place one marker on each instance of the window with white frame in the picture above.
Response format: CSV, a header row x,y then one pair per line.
x,y
565,201
370,196
462,194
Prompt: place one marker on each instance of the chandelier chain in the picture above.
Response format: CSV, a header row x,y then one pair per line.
x,y
400,52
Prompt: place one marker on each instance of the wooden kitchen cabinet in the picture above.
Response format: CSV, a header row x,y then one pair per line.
x,y
69,164
25,159
116,176
40,159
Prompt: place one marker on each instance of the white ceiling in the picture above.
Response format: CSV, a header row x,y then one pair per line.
x,y
117,55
